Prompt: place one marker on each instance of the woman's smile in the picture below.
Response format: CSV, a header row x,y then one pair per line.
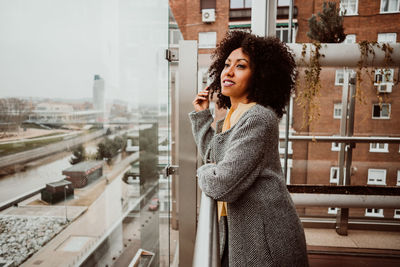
x,y
227,83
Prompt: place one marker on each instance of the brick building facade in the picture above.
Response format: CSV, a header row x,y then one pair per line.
x,y
188,15
372,164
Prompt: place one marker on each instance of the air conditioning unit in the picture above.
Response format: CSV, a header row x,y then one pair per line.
x,y
384,87
208,15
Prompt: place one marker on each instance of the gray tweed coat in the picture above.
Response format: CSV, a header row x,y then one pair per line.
x,y
263,226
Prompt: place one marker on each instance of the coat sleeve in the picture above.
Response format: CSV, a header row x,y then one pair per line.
x,y
202,130
243,160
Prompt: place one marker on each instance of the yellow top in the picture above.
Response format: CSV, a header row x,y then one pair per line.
x,y
231,119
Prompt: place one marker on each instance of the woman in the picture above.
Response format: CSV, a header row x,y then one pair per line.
x,y
259,226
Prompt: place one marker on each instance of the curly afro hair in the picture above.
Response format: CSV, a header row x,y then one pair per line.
x,y
272,65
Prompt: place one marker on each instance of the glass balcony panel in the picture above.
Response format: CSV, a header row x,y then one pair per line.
x,y
85,132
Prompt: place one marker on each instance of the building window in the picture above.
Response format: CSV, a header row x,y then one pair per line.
x,y
289,169
339,77
335,146
379,147
381,111
350,39
175,36
334,177
383,80
337,110
282,146
207,4
207,39
374,212
332,210
282,33
398,178
387,37
240,4
397,214
384,76
349,7
388,6
377,176
283,2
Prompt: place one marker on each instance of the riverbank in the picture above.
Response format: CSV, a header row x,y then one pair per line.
x,y
50,149
16,168
9,170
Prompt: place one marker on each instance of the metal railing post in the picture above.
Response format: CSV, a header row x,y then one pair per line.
x,y
346,153
342,215
288,112
350,127
187,186
206,251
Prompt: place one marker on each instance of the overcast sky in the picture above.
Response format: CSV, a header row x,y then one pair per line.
x,y
53,48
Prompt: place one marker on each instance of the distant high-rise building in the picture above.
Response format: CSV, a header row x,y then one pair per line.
x,y
98,93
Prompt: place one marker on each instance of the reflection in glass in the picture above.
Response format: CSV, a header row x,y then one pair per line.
x,y
79,82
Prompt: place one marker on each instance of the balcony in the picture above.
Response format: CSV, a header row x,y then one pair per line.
x,y
127,106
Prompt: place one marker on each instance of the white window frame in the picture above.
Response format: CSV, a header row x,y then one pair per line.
x,y
384,77
172,34
282,29
350,39
343,6
335,180
337,78
337,107
380,116
374,212
389,11
341,72
387,37
375,181
246,4
282,149
335,146
395,215
379,147
332,210
398,178
289,168
210,37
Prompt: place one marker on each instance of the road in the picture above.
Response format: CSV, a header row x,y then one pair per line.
x,y
29,155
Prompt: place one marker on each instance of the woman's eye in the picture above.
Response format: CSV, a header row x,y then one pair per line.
x,y
226,65
240,66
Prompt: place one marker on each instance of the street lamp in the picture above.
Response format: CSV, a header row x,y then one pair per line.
x,y
65,202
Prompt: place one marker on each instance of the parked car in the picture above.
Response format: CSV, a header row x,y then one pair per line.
x,y
154,204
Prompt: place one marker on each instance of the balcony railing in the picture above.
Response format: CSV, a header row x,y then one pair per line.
x,y
343,196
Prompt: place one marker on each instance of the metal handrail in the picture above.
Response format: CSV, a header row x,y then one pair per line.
x,y
206,253
206,250
344,139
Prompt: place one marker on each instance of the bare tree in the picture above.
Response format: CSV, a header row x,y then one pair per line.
x,y
13,111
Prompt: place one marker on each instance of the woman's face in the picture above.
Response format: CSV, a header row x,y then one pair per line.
x,y
235,77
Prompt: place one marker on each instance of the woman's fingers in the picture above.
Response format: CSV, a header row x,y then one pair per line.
x,y
201,100
203,93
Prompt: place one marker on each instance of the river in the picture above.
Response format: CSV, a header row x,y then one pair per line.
x,y
50,170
